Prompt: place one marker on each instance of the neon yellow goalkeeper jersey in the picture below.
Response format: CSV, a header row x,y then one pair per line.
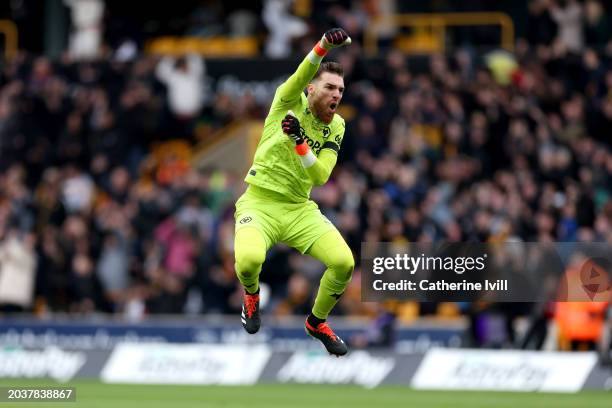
x,y
276,165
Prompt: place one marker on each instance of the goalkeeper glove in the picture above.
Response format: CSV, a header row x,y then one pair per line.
x,y
336,37
291,127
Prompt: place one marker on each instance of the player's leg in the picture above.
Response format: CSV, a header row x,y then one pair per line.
x,y
250,253
255,233
332,250
313,234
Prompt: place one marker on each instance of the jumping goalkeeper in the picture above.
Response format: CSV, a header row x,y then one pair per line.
x,y
298,149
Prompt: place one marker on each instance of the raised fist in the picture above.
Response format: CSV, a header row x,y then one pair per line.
x,y
336,37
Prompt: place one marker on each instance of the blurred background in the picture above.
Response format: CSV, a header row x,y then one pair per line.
x,y
126,130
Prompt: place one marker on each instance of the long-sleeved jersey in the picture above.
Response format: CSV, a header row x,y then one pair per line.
x,y
276,166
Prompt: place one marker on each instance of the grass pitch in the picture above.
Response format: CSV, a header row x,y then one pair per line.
x,y
93,394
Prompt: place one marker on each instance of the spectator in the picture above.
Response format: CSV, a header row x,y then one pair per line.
x,y
568,15
77,190
282,27
184,79
112,269
17,271
86,38
541,28
596,25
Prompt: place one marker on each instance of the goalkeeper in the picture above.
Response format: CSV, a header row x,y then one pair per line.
x,y
298,149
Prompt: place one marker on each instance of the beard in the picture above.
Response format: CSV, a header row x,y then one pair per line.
x,y
324,110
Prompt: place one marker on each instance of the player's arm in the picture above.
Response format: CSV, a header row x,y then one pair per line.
x,y
318,168
291,90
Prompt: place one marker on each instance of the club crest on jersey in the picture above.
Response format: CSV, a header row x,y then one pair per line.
x,y
326,132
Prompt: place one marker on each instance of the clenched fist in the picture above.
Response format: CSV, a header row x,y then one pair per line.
x,y
291,127
336,37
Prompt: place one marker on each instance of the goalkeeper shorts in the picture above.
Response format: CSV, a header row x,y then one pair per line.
x,y
298,225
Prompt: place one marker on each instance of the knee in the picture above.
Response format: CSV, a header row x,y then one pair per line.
x,y
248,262
343,265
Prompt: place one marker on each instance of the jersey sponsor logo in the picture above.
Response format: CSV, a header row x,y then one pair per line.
x,y
246,220
314,145
252,172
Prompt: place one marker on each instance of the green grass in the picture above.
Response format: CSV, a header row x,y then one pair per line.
x,y
93,394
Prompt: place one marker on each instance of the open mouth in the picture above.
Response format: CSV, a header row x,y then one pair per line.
x,y
333,106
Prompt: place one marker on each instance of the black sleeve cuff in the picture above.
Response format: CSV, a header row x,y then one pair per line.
x,y
331,145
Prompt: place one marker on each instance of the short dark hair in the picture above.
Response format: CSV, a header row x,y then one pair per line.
x,y
329,66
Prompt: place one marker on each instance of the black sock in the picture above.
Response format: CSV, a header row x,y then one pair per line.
x,y
314,321
249,293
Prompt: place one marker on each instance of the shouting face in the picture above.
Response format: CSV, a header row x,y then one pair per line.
x,y
324,95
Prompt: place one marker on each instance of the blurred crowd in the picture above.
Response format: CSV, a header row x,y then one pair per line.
x,y
102,210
